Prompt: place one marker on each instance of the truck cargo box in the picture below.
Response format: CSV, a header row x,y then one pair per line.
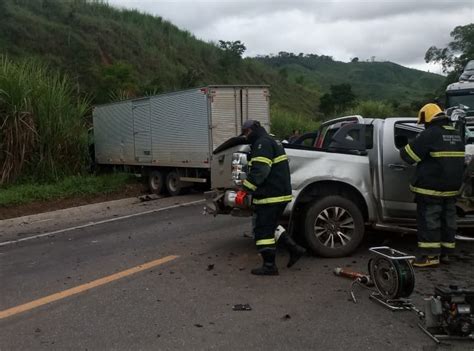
x,y
179,129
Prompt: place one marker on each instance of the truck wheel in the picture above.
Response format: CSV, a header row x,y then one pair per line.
x,y
334,226
156,182
173,184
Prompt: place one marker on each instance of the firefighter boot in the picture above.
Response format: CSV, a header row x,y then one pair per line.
x,y
296,251
269,267
426,261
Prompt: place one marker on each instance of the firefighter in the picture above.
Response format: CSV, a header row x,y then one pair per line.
x,y
438,153
268,181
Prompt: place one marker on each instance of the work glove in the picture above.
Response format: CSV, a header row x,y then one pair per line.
x,y
240,198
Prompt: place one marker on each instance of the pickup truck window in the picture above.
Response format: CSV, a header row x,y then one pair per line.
x,y
329,133
406,132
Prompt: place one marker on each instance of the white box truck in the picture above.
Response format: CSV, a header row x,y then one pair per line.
x,y
169,138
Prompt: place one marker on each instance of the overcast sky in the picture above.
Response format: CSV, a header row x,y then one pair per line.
x,y
398,31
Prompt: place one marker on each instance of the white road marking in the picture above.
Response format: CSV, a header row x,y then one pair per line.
x,y
90,224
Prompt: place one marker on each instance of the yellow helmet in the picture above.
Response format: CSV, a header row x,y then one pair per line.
x,y
428,112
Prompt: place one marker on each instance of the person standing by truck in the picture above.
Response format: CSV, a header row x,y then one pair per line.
x,y
438,153
268,181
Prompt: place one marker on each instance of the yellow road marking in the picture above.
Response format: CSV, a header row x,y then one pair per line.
x,y
78,289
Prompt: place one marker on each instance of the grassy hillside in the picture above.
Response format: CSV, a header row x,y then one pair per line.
x,y
112,53
369,80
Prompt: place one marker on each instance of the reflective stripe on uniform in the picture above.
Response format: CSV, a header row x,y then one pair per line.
x,y
273,200
266,242
449,128
447,154
433,192
280,158
261,159
449,245
425,245
249,185
412,154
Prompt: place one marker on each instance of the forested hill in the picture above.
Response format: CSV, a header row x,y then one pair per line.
x,y
369,80
112,53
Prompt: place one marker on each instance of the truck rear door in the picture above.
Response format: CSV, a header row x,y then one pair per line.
x,y
226,114
142,130
256,105
396,198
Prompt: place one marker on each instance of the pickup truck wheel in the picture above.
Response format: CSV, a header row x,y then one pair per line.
x,y
334,226
173,184
156,182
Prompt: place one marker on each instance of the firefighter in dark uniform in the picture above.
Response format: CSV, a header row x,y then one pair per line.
x,y
268,181
438,152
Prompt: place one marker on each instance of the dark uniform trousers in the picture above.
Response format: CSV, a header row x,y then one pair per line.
x,y
436,219
265,222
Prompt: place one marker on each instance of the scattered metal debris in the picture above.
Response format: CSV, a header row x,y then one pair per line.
x,y
242,307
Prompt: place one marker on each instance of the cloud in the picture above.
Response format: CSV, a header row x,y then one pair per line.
x,y
398,31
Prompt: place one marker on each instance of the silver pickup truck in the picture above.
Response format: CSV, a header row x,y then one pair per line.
x,y
345,178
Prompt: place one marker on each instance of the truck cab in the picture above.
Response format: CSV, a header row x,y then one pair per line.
x,y
460,93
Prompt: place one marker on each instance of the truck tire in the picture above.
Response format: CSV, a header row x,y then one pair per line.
x,y
173,184
334,226
156,182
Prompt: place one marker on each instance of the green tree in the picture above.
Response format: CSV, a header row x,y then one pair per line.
x,y
458,53
237,48
327,104
339,99
233,51
343,95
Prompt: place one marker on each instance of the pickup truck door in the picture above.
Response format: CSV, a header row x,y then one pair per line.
x,y
396,197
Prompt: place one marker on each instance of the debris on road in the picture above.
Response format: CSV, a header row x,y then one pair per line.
x,y
286,317
210,267
242,307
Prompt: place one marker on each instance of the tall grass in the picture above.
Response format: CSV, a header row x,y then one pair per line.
x,y
42,134
371,109
283,123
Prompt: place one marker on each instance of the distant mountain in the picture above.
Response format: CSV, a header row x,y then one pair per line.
x,y
112,53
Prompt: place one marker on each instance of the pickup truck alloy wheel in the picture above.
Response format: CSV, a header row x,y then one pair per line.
x,y
156,182
173,184
334,226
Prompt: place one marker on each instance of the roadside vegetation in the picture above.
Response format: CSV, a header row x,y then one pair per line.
x,y
67,187
43,134
283,123
371,109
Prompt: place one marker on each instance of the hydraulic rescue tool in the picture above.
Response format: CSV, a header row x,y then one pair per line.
x,y
448,314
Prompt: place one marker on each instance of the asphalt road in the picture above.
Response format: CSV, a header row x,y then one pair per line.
x,y
186,303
